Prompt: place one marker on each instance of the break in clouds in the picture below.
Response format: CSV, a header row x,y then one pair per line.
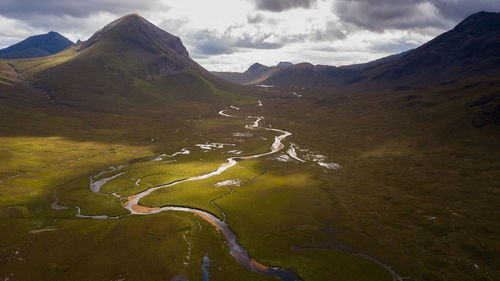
x,y
232,34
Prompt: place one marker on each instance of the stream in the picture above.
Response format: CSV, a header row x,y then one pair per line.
x,y
235,249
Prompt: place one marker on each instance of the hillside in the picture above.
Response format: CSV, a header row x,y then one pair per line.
x,y
127,74
37,46
471,49
130,60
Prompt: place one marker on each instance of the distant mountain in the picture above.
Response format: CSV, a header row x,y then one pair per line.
x,y
284,64
255,74
305,74
471,49
37,46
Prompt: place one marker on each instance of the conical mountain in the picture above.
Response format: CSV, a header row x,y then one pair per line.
x,y
257,67
255,74
130,62
136,41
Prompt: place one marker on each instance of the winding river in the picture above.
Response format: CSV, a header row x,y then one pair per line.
x,y
236,250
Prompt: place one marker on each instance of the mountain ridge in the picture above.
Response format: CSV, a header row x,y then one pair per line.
x,y
255,74
37,46
470,49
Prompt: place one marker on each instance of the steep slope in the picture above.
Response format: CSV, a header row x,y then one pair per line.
x,y
131,63
471,49
128,74
364,66
37,46
146,49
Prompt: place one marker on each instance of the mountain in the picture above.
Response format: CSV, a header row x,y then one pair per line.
x,y
128,74
471,49
284,64
366,65
138,41
307,74
255,74
37,46
132,61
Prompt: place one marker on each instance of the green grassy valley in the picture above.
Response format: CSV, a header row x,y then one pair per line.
x,y
315,182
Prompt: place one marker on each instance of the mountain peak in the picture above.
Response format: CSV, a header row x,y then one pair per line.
x,y
133,15
256,67
137,31
284,64
37,46
479,23
142,44
128,19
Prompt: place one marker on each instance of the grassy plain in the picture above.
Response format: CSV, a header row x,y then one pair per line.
x,y
419,187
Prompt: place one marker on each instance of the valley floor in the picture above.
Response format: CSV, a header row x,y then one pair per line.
x,y
339,192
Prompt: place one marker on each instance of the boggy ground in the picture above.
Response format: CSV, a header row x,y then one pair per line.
x,y
277,210
418,188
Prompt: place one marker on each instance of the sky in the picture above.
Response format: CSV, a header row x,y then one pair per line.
x,y
230,35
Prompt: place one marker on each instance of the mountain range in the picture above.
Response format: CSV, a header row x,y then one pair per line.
x,y
470,49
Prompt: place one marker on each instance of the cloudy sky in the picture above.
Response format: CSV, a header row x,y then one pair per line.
x,y
230,35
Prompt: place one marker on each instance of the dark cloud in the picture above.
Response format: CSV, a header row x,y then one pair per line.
x,y
282,5
77,18
24,9
378,15
259,19
458,10
255,19
331,31
206,42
